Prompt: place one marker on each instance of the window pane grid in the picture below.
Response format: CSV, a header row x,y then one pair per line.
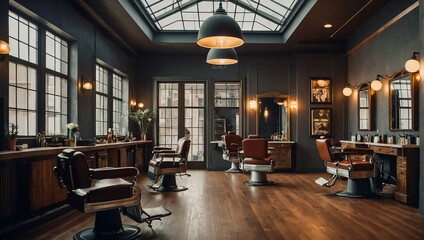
x,y
251,15
101,114
101,80
56,105
195,119
227,95
23,98
56,53
23,38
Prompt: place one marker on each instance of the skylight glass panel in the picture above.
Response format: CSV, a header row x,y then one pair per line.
x,y
188,15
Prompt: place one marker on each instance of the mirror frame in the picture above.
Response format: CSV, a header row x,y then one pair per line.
x,y
414,98
273,94
371,107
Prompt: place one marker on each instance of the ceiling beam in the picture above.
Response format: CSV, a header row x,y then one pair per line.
x,y
175,10
253,10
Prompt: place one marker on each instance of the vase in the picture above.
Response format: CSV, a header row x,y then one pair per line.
x,y
12,144
143,137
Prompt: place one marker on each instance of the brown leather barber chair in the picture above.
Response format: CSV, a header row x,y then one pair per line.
x,y
166,163
257,158
231,148
344,163
103,191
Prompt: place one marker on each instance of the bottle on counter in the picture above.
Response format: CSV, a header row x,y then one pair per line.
x,y
417,140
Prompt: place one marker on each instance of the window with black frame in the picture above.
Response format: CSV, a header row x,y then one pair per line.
x,y
227,108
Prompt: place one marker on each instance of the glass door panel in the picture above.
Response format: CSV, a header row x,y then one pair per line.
x,y
168,114
194,114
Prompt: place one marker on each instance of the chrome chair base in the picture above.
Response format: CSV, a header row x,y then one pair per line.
x,y
357,188
235,168
258,179
108,226
168,184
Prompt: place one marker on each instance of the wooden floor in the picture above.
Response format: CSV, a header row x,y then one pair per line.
x,y
218,205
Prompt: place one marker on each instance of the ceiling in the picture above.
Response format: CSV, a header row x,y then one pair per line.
x,y
309,36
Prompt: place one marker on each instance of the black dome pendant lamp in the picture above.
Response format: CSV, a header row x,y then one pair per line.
x,y
220,31
218,56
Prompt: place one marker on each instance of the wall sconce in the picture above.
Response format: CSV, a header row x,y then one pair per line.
x,y
140,105
376,85
266,113
294,104
133,103
87,86
4,47
253,104
413,65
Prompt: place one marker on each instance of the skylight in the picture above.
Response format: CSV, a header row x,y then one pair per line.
x,y
188,15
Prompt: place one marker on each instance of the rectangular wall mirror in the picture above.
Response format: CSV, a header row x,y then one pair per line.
x,y
365,107
273,116
403,101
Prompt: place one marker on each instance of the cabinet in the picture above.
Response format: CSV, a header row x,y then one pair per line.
x,y
407,167
283,154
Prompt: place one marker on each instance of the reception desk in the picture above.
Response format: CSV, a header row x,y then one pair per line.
x,y
28,186
407,166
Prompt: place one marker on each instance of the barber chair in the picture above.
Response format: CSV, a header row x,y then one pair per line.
x,y
231,148
103,191
343,163
166,163
257,158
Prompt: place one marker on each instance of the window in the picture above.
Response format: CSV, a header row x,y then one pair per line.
x,y
23,98
56,84
101,100
56,53
117,98
168,114
117,105
23,40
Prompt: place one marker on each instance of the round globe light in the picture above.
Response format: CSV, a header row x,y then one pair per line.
x,y
347,91
4,47
412,65
376,85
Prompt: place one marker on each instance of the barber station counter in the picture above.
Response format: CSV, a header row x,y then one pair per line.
x,y
407,166
27,183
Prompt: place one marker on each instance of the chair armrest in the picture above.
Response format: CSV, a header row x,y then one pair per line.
x,y
357,151
103,173
161,148
170,155
164,151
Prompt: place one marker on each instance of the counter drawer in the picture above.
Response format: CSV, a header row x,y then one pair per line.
x,y
385,150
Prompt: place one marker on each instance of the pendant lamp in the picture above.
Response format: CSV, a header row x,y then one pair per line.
x,y
220,31
218,56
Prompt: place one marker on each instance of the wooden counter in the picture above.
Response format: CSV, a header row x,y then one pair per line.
x,y
283,154
28,185
407,166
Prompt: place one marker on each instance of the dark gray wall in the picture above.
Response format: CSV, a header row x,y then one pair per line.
x,y
259,74
384,55
88,41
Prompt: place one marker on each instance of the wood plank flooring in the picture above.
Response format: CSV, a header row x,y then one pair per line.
x,y
217,205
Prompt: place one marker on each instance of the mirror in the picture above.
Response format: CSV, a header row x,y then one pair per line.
x,y
402,101
272,116
365,107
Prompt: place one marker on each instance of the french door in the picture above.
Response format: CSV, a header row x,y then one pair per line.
x,y
181,113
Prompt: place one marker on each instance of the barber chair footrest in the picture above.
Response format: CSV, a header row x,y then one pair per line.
x,y
129,232
147,215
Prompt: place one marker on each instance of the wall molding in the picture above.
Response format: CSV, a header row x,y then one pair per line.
x,y
384,27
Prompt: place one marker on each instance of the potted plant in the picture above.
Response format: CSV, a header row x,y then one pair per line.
x,y
143,118
56,141
12,133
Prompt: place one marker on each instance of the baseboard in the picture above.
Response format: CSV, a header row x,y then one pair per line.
x,y
14,230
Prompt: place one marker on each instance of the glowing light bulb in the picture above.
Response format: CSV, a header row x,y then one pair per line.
x,y
376,85
221,61
266,113
347,91
221,41
4,47
412,65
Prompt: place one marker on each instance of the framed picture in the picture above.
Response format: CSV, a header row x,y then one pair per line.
x,y
321,122
321,90
220,128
